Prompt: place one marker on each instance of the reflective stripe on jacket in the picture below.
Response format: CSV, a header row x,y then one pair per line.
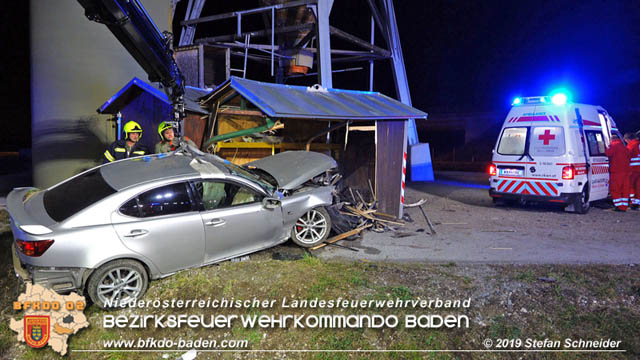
x,y
118,151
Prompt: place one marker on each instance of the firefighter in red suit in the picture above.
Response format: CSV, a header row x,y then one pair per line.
x,y
619,173
633,145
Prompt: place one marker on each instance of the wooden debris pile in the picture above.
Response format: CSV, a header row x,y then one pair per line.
x,y
356,215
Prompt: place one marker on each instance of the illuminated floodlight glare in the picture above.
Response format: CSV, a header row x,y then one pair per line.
x,y
559,99
516,101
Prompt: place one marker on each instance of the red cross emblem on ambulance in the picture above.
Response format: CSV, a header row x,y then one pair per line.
x,y
546,137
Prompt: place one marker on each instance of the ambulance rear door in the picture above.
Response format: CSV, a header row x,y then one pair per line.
x,y
547,146
597,127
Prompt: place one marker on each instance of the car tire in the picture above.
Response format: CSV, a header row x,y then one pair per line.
x,y
581,203
118,280
312,228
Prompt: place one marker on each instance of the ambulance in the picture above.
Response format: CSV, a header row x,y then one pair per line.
x,y
552,150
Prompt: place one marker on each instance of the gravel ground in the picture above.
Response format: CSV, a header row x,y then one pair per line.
x,y
471,229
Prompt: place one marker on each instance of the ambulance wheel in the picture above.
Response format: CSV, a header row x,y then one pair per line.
x,y
581,203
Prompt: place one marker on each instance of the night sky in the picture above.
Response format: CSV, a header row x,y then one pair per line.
x,y
461,56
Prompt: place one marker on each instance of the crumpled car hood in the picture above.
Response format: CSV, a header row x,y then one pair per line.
x,y
293,168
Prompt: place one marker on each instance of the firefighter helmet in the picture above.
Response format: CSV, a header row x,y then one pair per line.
x,y
132,127
162,127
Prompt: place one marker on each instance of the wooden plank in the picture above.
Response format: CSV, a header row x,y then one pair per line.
x,y
370,217
389,153
230,123
342,236
243,156
362,128
234,111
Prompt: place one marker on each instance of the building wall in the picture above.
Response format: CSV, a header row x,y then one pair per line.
x,y
75,65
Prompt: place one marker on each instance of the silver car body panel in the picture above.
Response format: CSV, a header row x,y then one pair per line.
x,y
98,234
293,168
239,229
147,169
301,201
31,213
170,242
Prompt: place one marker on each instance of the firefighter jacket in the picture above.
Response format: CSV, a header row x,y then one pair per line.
x,y
619,157
118,150
634,150
166,146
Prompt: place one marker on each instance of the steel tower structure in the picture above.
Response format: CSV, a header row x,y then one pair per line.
x,y
297,30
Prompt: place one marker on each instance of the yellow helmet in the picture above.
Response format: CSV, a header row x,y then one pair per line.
x,y
162,127
132,127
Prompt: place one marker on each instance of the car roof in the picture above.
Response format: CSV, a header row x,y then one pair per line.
x,y
125,173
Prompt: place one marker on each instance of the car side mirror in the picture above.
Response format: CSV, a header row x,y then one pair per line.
x,y
271,203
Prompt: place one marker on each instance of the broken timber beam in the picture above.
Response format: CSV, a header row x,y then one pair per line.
x,y
342,236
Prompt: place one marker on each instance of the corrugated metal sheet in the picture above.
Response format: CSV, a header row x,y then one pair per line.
x,y
287,101
136,86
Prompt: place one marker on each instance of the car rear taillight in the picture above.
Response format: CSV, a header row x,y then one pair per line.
x,y
493,170
33,248
568,172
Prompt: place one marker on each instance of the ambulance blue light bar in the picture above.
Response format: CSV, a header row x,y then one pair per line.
x,y
531,100
557,99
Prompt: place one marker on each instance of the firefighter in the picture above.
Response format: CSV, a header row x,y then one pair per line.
x,y
168,140
633,145
619,173
128,147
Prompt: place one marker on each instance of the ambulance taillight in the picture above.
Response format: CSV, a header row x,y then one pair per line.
x,y
568,172
493,171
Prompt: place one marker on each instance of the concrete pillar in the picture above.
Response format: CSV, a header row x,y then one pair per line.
x,y
76,65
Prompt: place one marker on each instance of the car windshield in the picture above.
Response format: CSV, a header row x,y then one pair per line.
x,y
256,177
76,194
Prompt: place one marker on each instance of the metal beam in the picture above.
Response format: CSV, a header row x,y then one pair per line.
x,y
266,47
246,12
194,9
324,42
356,40
399,71
305,39
378,20
259,33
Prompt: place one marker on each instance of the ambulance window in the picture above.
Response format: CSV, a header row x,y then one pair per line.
x,y
513,141
595,143
547,141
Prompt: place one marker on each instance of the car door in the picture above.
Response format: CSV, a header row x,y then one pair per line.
x,y
235,220
163,225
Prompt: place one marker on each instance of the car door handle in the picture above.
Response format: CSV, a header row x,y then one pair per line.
x,y
136,233
215,222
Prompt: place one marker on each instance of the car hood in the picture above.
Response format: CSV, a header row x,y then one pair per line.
x,y
293,168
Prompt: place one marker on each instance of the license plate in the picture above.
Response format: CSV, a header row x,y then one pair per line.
x,y
511,172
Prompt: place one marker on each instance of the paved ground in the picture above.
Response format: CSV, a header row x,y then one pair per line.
x,y
471,229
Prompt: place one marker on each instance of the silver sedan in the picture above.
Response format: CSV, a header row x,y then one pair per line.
x,y
109,230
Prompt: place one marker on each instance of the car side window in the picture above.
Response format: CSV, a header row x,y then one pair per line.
x,y
165,200
218,194
595,143
130,208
